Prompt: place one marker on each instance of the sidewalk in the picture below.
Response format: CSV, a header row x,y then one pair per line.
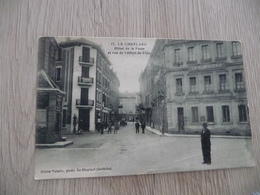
x,y
157,132
60,144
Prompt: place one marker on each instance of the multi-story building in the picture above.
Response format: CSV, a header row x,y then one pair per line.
x,y
49,94
75,78
128,104
195,82
153,88
88,75
114,96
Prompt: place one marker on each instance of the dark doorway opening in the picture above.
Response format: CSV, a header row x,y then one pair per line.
x,y
180,119
84,120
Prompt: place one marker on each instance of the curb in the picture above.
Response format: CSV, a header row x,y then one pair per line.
x,y
55,145
157,132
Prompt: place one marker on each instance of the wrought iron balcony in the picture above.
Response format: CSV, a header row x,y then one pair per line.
x,y
85,81
81,103
86,61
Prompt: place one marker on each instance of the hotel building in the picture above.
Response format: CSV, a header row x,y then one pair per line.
x,y
195,82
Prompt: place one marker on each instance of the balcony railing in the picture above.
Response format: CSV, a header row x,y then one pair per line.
x,y
85,81
86,61
84,103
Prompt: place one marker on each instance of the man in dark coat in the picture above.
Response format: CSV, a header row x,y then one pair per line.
x,y
109,128
101,127
143,126
137,125
74,123
205,144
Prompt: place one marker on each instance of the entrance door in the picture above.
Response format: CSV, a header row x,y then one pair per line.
x,y
84,120
180,119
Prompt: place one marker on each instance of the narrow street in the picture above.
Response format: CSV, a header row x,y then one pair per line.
x,y
128,153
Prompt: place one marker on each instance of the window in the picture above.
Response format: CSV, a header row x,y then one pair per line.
x,y
178,85
205,52
58,74
220,50
177,56
191,56
225,114
210,114
52,51
236,49
207,83
192,84
86,54
242,113
85,72
98,76
99,59
222,82
195,115
97,95
239,81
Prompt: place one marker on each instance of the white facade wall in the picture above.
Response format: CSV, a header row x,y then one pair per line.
x,y
76,89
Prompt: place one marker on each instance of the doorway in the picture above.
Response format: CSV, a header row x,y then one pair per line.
x,y
180,114
84,120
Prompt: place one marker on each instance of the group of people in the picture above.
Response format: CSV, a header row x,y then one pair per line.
x,y
205,135
112,127
137,126
101,126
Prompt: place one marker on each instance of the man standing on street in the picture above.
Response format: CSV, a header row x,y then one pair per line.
x,y
74,123
102,127
137,125
143,126
205,144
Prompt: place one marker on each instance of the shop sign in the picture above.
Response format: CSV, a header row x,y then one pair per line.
x,y
206,67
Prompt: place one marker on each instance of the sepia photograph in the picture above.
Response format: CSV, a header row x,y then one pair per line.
x,y
134,106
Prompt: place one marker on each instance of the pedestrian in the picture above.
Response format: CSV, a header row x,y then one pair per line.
x,y
143,125
116,128
205,144
105,125
109,128
74,123
102,127
137,125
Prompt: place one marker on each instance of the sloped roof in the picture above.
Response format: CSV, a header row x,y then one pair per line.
x,y
45,83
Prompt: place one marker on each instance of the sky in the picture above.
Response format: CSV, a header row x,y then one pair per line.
x,y
129,64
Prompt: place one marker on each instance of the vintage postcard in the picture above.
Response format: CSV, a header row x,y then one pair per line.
x,y
132,106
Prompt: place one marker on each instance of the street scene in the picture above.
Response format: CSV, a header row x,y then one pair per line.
x,y
122,106
129,153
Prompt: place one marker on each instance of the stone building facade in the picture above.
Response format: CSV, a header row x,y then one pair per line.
x,y
49,95
128,103
195,82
